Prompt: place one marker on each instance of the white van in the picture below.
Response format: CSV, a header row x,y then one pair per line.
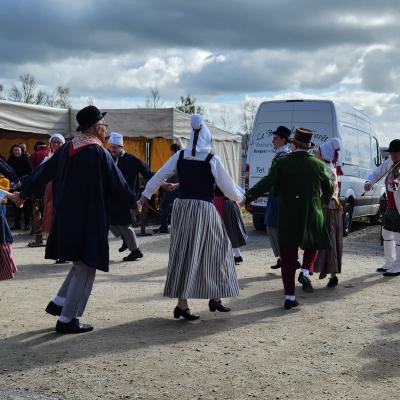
x,y
360,153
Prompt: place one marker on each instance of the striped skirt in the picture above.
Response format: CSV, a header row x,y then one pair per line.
x,y
7,262
201,263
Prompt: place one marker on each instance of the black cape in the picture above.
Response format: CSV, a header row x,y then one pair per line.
x,y
84,184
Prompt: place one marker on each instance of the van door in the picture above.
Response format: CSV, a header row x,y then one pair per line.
x,y
314,115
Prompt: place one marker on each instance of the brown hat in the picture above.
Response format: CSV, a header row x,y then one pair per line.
x,y
302,138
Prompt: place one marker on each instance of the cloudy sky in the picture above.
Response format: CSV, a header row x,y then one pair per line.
x,y
223,52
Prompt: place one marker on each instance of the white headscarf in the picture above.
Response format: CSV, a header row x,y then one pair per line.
x,y
204,141
329,148
57,136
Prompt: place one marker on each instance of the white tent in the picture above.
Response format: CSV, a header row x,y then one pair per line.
x,y
167,123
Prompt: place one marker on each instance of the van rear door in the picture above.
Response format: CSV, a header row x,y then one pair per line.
x,y
317,116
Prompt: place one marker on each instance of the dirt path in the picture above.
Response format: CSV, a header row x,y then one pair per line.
x,y
339,344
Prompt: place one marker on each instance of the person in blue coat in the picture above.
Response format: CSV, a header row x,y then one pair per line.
x,y
120,216
85,182
280,139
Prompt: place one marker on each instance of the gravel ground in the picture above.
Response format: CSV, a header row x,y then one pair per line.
x,y
341,343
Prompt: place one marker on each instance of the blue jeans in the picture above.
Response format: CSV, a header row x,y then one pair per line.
x,y
167,200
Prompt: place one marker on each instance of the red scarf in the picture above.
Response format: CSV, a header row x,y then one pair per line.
x,y
81,141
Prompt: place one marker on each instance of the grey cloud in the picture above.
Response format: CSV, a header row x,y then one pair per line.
x,y
381,71
46,29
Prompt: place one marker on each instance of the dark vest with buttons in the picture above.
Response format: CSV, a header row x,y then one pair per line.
x,y
196,180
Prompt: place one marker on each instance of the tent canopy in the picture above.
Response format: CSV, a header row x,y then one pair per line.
x,y
162,125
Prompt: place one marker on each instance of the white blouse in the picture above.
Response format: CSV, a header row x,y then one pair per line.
x,y
222,178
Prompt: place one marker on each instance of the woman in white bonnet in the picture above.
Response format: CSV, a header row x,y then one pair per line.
x,y
329,261
56,141
200,265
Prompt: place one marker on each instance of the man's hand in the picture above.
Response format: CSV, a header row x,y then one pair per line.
x,y
169,187
367,186
141,202
243,202
16,199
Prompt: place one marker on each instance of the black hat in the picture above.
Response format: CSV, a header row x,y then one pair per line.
x,y
88,116
282,131
302,138
394,146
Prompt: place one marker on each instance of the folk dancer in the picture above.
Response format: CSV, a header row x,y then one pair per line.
x,y
280,142
329,261
121,217
298,180
200,264
43,203
85,181
391,218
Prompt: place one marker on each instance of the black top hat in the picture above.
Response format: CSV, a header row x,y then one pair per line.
x,y
394,146
87,117
282,131
302,138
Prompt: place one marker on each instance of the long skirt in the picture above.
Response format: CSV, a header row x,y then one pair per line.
x,y
201,265
7,262
234,224
232,217
329,261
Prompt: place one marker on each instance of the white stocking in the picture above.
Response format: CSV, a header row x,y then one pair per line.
x,y
389,248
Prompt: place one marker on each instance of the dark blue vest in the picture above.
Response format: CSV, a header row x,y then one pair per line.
x,y
195,178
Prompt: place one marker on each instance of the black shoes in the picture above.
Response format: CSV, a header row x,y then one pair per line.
x,y
306,283
216,305
388,273
73,327
53,309
290,304
381,269
178,312
333,282
16,228
61,261
277,265
238,260
161,229
134,255
123,247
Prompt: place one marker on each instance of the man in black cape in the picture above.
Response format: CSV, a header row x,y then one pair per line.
x,y
85,182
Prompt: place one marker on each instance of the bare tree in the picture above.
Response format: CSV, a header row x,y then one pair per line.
x,y
188,105
28,92
89,101
60,98
1,92
247,115
154,99
226,121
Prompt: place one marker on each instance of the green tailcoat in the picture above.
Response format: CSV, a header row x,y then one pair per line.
x,y
300,181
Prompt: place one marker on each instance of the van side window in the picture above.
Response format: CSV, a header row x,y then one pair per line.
x,y
350,145
364,152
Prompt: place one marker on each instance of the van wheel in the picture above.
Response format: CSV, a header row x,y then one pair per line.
x,y
258,222
347,218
